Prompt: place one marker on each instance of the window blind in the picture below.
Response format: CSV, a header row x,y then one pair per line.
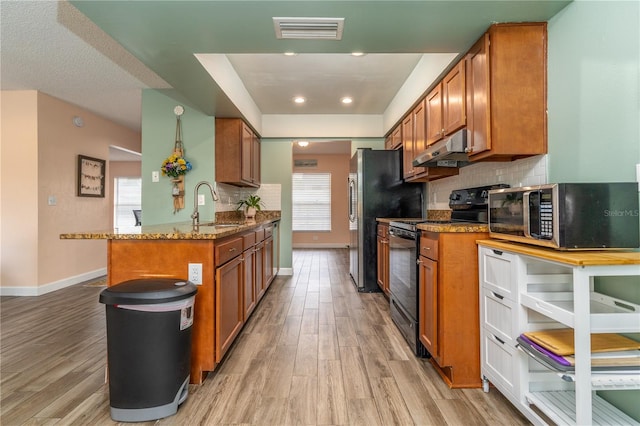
x,y
311,199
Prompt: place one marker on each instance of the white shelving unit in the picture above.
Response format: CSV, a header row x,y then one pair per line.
x,y
527,288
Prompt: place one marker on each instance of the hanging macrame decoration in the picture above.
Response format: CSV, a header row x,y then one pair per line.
x,y
176,166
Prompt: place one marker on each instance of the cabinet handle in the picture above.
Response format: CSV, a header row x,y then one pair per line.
x,y
497,295
418,262
468,149
232,249
498,252
426,248
499,339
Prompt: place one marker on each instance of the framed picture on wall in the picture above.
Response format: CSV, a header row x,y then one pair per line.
x,y
91,175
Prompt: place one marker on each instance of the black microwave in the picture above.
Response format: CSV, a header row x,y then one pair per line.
x,y
567,216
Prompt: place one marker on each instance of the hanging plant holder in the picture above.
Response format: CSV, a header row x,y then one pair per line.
x,y
176,166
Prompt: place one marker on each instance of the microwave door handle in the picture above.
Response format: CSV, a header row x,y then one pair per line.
x,y
525,214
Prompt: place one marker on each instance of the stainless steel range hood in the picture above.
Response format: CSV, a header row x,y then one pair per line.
x,y
449,152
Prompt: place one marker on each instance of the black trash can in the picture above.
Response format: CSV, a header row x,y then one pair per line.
x,y
149,324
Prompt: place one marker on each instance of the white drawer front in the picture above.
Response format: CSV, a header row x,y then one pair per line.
x,y
499,364
498,272
498,315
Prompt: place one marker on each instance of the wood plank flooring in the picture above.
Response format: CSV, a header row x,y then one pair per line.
x,y
314,352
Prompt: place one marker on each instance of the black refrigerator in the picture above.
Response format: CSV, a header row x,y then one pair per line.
x,y
376,189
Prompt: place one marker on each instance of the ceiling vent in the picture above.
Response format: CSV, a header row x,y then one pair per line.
x,y
305,163
309,28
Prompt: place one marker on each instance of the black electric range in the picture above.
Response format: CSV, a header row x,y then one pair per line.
x,y
467,206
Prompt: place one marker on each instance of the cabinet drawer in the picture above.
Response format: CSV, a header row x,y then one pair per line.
x,y
268,231
227,250
498,315
499,363
248,240
259,235
429,247
498,272
383,231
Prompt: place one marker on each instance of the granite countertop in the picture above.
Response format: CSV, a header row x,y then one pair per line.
x,y
175,231
438,221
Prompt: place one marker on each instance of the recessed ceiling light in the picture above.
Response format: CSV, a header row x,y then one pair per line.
x,y
290,53
302,144
357,53
346,100
299,100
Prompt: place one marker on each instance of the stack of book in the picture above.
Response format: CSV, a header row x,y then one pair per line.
x,y
555,350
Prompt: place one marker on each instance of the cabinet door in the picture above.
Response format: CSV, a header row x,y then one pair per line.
x,y
268,261
259,283
407,146
419,132
453,96
428,305
249,266
255,160
246,167
478,118
396,138
229,305
435,129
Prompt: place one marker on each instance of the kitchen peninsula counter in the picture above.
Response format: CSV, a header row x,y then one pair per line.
x,y
174,231
238,260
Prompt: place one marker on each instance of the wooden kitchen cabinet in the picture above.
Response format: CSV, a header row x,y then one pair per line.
x,y
407,147
446,111
229,301
435,127
382,257
250,273
454,109
448,305
506,78
267,258
394,140
414,142
237,153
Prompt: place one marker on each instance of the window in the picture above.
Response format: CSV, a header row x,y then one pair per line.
x,y
127,197
311,202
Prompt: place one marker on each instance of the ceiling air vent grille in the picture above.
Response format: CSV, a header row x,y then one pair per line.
x,y
305,163
309,28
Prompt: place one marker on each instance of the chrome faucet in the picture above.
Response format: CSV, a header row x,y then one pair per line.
x,y
196,215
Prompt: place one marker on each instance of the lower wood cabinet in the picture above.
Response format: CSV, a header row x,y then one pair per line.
x,y
382,257
448,313
229,306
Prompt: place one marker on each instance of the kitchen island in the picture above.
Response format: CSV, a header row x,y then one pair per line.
x,y
238,263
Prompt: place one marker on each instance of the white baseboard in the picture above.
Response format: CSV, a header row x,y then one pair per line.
x,y
285,271
53,286
319,245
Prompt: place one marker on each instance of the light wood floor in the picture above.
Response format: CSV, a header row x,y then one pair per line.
x,y
315,351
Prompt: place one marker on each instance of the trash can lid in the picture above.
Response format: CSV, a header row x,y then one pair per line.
x,y
147,291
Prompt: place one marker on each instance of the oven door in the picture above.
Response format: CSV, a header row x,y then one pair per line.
x,y
403,249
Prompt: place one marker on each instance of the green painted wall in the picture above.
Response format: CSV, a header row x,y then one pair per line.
x,y
593,95
158,137
594,113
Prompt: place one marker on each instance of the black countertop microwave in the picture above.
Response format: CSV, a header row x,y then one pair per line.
x,y
567,216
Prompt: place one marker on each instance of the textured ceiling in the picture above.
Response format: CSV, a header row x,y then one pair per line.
x,y
102,58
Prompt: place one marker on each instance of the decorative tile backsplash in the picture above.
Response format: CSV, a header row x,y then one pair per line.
x,y
269,193
524,172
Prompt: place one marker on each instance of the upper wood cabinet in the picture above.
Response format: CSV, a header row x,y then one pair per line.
x,y
407,147
454,113
394,140
237,153
506,80
414,128
446,111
